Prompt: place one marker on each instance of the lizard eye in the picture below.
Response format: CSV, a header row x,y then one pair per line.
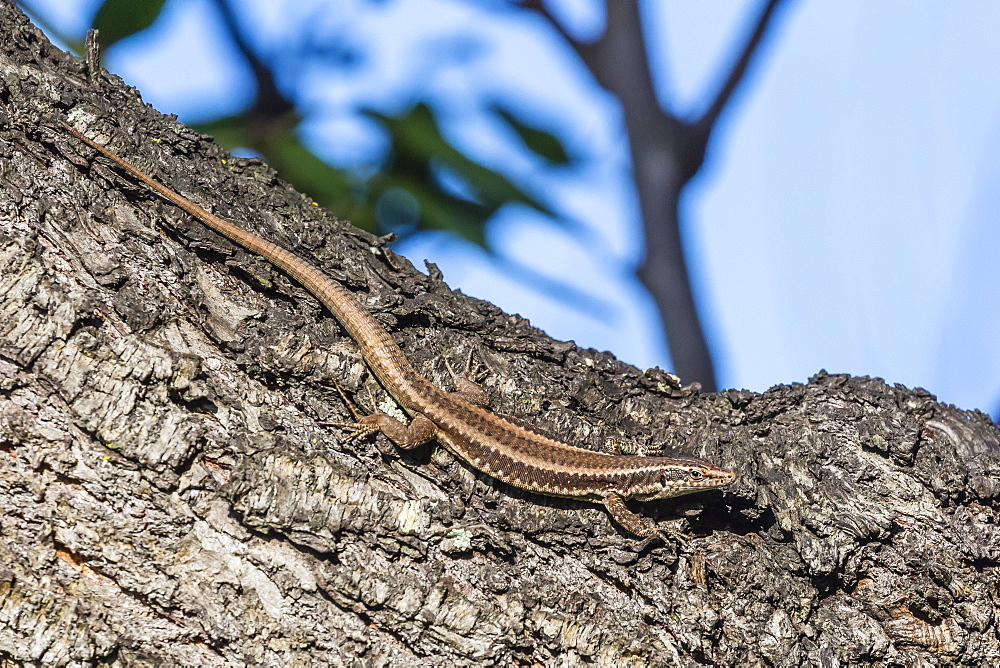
x,y
695,474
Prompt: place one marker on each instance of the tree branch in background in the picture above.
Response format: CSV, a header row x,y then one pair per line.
x,y
739,69
667,152
270,103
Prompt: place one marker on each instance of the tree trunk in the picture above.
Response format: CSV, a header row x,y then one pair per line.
x,y
170,496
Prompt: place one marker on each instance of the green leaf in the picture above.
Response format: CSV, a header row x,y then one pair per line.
x,y
542,143
329,187
414,190
420,153
229,131
118,19
335,189
438,209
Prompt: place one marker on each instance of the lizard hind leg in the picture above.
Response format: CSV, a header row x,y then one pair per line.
x,y
405,436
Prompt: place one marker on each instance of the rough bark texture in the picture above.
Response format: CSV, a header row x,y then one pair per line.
x,y
169,497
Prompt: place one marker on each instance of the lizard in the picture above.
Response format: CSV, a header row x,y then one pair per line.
x,y
501,447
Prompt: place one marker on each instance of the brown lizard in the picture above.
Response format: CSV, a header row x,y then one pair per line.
x,y
501,447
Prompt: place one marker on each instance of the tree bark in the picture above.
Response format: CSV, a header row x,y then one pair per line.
x,y
170,496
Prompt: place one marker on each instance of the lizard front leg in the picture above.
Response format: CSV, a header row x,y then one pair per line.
x,y
628,520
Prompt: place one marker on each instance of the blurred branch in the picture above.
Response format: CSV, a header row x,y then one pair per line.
x,y
270,102
667,152
583,50
740,66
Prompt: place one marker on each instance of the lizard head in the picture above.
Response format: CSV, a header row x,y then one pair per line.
x,y
667,478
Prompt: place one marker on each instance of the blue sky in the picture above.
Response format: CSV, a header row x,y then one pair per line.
x,y
848,219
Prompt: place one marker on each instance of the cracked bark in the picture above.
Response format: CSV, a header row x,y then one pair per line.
x,y
169,496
